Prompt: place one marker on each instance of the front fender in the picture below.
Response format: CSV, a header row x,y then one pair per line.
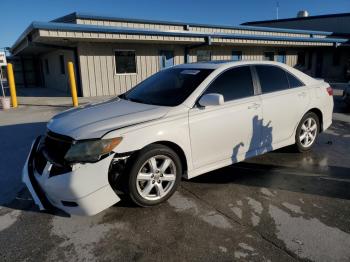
x,y
175,131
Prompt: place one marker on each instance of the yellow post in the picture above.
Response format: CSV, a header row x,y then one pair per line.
x,y
73,86
12,85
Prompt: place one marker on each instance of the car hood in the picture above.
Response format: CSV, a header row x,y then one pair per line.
x,y
95,120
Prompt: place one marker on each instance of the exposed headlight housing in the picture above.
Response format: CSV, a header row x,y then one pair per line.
x,y
91,150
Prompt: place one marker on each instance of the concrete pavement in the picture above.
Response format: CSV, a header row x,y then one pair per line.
x,y
281,206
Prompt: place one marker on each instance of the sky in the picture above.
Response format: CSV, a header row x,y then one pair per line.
x,y
16,15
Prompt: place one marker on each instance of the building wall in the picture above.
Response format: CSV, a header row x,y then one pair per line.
x,y
55,79
97,63
97,66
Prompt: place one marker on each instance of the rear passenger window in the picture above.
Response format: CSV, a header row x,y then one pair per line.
x,y
293,81
233,84
272,78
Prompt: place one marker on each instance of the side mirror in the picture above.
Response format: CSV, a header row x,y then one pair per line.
x,y
212,99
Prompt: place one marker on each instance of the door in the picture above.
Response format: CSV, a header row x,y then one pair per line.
x,y
284,101
166,58
281,57
319,64
226,131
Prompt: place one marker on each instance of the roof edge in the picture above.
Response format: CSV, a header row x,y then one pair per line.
x,y
295,19
82,15
124,30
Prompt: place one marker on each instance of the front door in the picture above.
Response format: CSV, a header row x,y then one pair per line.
x,y
229,131
166,58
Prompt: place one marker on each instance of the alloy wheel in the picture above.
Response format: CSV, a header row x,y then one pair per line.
x,y
156,177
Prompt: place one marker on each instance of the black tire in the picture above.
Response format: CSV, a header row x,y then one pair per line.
x,y
138,161
299,145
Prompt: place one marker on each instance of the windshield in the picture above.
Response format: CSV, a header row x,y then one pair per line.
x,y
169,87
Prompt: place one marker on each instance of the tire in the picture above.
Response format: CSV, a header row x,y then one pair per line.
x,y
307,132
148,183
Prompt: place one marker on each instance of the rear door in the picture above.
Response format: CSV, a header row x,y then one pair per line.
x,y
284,101
224,132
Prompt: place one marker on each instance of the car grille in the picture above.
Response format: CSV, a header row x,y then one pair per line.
x,y
55,147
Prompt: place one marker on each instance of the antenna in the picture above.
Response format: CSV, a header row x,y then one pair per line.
x,y
277,9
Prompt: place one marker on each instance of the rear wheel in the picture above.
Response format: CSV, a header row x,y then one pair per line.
x,y
154,175
307,132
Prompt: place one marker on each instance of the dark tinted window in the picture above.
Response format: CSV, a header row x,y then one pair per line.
x,y
269,56
125,62
233,84
169,87
293,81
272,78
203,55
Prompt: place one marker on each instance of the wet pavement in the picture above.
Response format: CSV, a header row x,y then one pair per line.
x,y
281,206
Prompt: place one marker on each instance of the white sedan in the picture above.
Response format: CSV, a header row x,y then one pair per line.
x,y
181,122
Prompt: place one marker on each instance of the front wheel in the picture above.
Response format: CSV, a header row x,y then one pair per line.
x,y
307,132
154,175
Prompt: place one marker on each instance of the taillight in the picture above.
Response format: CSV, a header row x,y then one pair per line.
x,y
330,91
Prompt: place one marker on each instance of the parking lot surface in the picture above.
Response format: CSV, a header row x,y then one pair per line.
x,y
281,206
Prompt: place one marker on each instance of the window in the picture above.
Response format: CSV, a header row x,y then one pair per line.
x,y
272,78
236,55
166,58
47,68
269,56
125,62
336,58
233,84
281,57
203,55
301,59
168,87
62,67
293,81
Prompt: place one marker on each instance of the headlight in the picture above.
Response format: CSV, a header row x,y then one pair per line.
x,y
91,150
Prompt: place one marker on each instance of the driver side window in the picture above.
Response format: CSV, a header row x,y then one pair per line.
x,y
233,84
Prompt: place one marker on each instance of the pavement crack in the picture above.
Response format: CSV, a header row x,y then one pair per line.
x,y
285,251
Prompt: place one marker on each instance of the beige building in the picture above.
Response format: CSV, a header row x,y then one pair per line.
x,y
112,55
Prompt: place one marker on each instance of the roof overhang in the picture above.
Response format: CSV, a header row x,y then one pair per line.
x,y
67,33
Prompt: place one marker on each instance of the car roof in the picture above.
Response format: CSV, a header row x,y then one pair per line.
x,y
225,63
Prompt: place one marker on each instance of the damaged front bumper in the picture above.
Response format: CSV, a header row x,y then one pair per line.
x,y
83,190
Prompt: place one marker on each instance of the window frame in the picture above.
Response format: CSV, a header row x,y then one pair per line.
x,y
210,54
274,92
254,82
115,62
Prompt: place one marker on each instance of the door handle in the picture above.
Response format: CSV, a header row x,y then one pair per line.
x,y
302,94
254,106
